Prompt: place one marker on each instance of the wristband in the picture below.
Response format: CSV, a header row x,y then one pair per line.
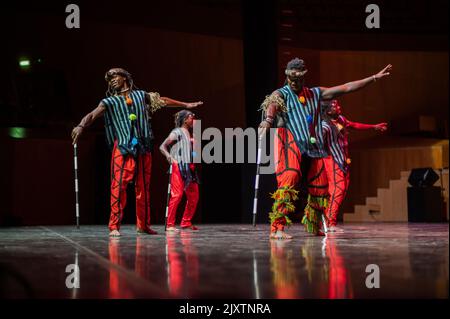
x,y
269,120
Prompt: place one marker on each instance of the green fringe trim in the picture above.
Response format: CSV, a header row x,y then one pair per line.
x,y
313,213
318,202
283,204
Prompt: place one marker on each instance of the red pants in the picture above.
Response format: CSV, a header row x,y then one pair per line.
x,y
317,196
287,169
123,170
288,172
287,159
338,182
176,194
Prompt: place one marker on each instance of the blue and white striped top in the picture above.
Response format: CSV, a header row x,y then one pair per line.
x,y
304,120
119,126
336,141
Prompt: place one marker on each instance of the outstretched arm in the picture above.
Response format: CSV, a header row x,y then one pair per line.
x,y
87,121
335,91
164,147
174,103
155,102
361,126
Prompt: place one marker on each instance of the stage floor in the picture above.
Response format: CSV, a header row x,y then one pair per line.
x,y
225,261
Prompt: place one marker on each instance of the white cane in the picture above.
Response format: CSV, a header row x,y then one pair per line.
x,y
77,205
168,197
258,163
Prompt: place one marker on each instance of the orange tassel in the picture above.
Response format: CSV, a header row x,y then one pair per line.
x,y
128,100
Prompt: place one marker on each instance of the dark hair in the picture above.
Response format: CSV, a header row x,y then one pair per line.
x,y
180,117
325,107
295,64
118,71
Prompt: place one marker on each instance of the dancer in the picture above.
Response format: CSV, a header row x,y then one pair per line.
x,y
335,131
294,110
128,130
184,178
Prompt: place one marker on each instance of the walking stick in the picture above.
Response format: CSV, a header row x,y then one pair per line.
x,y
168,196
77,205
258,163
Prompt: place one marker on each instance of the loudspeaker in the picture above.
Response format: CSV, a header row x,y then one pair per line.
x,y
423,177
425,205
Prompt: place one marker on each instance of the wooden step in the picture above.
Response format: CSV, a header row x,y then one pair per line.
x,y
399,200
371,201
404,174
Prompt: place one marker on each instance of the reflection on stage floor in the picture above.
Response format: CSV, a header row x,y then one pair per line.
x,y
224,261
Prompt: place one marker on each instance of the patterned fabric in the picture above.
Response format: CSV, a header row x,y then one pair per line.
x,y
178,186
125,169
317,196
336,140
119,126
183,153
288,173
338,182
304,119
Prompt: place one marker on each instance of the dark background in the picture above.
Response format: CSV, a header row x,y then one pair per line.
x,y
228,53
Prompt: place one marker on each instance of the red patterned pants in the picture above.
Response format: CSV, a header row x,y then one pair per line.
x,y
177,188
338,182
123,171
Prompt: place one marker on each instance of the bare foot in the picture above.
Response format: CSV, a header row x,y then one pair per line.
x,y
335,229
279,234
172,229
320,232
114,233
192,227
147,230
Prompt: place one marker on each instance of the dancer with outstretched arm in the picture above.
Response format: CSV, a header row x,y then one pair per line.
x,y
129,134
337,165
294,110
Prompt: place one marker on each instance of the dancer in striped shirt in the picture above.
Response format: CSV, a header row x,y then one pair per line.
x,y
294,110
184,178
128,130
337,164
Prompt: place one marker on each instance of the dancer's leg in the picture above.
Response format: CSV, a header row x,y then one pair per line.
x,y
317,196
287,167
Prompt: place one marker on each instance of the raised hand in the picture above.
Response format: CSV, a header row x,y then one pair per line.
x,y
191,105
385,72
381,127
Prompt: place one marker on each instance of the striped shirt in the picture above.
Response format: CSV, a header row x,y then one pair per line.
x,y
304,119
336,140
183,153
119,126
182,149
